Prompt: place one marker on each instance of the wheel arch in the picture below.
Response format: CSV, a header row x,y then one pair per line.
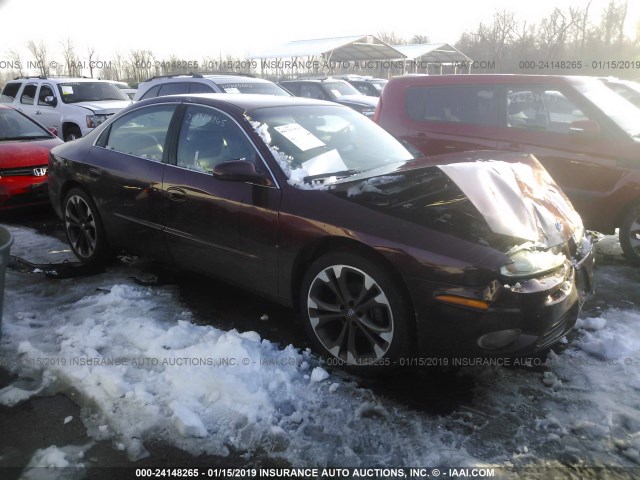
x,y
312,252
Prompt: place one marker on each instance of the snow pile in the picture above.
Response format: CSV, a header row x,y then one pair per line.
x,y
56,463
144,372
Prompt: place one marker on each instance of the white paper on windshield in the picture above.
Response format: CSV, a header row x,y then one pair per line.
x,y
67,90
299,136
336,92
330,161
232,90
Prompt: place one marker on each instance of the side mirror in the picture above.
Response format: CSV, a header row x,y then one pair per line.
x,y
240,171
584,128
51,100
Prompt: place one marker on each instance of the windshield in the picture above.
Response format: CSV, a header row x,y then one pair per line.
x,y
341,88
74,92
254,87
314,144
623,113
15,126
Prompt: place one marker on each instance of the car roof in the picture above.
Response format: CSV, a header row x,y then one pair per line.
x,y
478,79
241,100
315,80
60,79
212,77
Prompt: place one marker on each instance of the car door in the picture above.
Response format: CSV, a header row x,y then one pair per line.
x,y
124,174
26,102
48,112
540,120
222,228
451,118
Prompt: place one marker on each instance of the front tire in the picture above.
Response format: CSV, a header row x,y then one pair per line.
x,y
72,133
84,229
354,312
629,235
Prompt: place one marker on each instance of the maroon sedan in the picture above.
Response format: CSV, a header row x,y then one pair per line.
x,y
313,205
24,156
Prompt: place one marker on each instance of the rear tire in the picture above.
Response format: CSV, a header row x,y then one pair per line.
x,y
84,228
355,314
629,235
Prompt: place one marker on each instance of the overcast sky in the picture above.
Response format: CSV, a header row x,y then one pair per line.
x,y
192,29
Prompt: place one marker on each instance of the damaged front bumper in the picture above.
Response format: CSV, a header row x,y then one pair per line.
x,y
507,319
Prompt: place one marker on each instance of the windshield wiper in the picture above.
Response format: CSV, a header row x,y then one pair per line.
x,y
320,176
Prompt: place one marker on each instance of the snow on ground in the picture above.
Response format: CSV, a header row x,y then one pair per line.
x,y
143,370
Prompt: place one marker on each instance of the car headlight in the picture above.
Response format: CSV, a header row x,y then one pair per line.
x,y
368,112
94,120
529,263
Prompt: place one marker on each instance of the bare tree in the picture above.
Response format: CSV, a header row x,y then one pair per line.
x,y
419,39
391,38
91,51
72,63
16,61
40,55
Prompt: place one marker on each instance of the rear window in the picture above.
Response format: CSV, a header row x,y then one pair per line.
x,y
9,92
455,104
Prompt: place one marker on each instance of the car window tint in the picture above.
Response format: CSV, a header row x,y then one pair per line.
x,y
457,104
9,92
151,93
142,132
175,88
197,87
28,94
45,91
312,90
209,137
539,109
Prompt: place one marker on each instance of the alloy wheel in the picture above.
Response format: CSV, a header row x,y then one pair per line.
x,y
350,314
81,226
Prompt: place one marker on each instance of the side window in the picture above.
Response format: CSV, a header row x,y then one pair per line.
x,y
539,109
197,87
45,91
9,92
209,137
312,91
174,88
142,132
151,93
456,104
28,94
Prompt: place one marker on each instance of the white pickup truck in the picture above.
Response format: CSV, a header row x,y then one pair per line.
x,y
73,106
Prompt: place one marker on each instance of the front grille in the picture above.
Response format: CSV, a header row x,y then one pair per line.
x,y
22,171
559,329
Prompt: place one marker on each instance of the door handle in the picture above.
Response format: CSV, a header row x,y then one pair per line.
x,y
177,194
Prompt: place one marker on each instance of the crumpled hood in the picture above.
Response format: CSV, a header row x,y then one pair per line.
x,y
491,198
517,199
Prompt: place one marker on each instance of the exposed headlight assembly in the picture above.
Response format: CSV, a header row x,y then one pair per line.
x,y
529,261
94,120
